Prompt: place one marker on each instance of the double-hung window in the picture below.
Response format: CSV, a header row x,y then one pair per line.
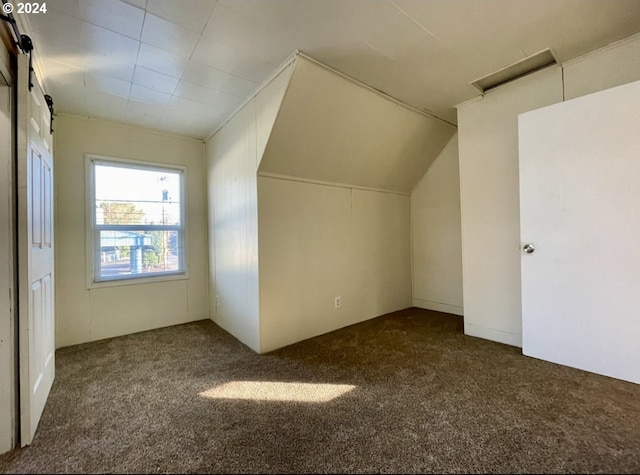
x,y
137,220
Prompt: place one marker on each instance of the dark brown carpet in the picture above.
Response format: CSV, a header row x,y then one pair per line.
x,y
426,398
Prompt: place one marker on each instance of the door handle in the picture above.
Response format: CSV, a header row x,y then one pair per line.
x,y
528,248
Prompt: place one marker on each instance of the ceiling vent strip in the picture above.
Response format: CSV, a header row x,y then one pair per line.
x,y
516,70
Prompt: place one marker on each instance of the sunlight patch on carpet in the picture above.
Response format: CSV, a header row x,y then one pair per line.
x,y
277,391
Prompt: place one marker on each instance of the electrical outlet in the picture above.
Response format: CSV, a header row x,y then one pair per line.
x,y
338,302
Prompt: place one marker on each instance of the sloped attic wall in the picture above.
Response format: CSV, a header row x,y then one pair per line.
x,y
333,129
233,154
334,205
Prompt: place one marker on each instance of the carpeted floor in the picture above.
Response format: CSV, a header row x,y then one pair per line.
x,y
406,392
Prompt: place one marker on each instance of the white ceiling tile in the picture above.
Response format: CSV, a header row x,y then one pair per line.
x,y
106,106
186,106
70,7
204,75
202,130
311,12
238,87
216,55
106,84
145,115
390,31
109,66
154,80
476,31
422,52
159,60
253,70
212,116
61,51
172,120
137,3
181,124
69,100
195,92
55,26
245,34
265,13
106,43
168,36
185,131
149,96
113,15
192,15
226,102
62,75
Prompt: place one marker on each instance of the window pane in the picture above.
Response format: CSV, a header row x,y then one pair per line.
x,y
127,195
138,228
128,254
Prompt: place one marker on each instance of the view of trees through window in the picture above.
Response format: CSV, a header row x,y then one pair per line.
x,y
138,221
153,257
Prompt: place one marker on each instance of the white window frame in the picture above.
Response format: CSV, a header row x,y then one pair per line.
x,y
92,230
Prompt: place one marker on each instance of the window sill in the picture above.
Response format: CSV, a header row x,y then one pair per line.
x,y
137,280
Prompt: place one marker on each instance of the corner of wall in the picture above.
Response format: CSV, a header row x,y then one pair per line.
x,y
436,235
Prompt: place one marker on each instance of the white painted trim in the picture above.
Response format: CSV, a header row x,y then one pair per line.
x,y
469,101
290,59
499,336
411,241
438,306
90,219
137,280
278,176
377,91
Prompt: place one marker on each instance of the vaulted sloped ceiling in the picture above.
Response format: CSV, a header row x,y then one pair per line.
x,y
184,66
333,129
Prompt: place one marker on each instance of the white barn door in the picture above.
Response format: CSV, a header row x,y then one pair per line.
x,y
35,251
580,212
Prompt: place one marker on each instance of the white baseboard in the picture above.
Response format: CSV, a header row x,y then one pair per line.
x,y
438,307
500,336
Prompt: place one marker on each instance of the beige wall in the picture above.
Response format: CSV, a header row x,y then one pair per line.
x,y
233,156
318,242
233,227
283,247
488,141
93,314
334,207
436,235
614,65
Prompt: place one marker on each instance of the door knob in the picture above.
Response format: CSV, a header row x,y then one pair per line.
x,y
528,248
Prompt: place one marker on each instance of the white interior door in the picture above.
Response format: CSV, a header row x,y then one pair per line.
x,y
580,209
35,251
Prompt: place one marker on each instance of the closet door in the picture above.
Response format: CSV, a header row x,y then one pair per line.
x,y
580,231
